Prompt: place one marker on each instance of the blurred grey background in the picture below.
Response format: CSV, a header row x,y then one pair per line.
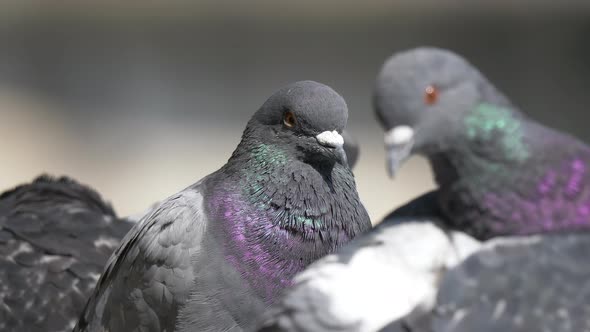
x,y
141,99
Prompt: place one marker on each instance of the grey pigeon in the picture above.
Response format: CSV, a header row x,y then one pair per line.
x,y
213,256
498,171
55,238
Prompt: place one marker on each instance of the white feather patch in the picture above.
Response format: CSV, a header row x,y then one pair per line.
x,y
380,284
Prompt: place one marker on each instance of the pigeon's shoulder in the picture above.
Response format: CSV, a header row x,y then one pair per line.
x,y
533,283
151,272
55,237
392,269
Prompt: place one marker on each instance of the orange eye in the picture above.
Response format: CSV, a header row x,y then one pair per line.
x,y
289,119
430,95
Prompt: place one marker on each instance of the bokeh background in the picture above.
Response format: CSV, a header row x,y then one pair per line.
x,y
141,99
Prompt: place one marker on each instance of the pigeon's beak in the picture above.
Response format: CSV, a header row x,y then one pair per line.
x,y
333,140
399,142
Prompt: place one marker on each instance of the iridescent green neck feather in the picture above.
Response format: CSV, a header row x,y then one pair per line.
x,y
257,172
488,122
263,154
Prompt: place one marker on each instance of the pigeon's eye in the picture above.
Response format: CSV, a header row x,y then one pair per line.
x,y
430,95
289,119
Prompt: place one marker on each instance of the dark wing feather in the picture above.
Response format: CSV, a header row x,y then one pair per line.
x,y
55,237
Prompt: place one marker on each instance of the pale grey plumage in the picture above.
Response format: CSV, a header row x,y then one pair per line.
x,y
156,258
377,278
413,277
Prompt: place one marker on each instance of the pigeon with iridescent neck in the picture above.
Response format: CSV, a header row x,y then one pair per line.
x,y
498,171
215,255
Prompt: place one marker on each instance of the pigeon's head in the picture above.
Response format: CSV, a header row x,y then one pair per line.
x,y
304,119
422,97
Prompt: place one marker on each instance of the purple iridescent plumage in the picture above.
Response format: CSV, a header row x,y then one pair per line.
x,y
545,192
251,257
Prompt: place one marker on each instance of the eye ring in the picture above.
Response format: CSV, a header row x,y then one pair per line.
x,y
430,95
289,119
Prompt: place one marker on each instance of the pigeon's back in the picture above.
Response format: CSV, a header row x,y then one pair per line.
x,y
55,238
